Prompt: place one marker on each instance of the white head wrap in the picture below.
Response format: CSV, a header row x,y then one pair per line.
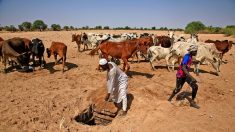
x,y
192,48
103,61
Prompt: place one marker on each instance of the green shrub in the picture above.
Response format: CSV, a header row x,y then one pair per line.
x,y
11,28
229,30
194,27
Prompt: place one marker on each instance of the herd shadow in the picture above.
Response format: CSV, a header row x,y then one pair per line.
x,y
50,67
160,67
134,73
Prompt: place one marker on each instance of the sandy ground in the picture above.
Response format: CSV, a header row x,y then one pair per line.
x,y
48,100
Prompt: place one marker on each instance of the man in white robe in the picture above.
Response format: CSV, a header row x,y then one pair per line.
x,y
117,82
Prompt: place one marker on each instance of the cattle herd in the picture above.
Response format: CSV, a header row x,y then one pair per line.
x,y
22,52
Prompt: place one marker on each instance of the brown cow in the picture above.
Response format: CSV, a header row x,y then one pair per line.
x,y
78,39
27,42
15,50
164,41
222,46
144,43
1,39
57,48
121,50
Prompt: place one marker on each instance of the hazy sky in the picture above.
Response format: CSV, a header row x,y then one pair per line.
x,y
114,13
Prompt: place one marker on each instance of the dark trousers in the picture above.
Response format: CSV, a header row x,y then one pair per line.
x,y
179,84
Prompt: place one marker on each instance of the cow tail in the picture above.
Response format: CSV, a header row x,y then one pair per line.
x,y
94,51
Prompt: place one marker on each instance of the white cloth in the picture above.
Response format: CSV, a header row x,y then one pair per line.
x,y
117,83
124,104
103,61
192,48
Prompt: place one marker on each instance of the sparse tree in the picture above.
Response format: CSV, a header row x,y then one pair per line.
x,y
86,27
98,27
26,26
20,27
11,28
39,25
66,28
106,27
127,28
71,28
55,27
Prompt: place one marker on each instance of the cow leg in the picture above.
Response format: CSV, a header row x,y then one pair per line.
x,y
216,64
167,62
151,62
33,57
137,57
173,64
55,56
133,56
79,47
126,65
34,65
60,59
40,61
64,58
132,60
196,68
153,68
44,62
10,62
5,64
84,48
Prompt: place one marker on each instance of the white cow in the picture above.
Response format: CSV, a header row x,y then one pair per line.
x,y
132,35
94,39
157,52
123,37
171,34
175,37
204,53
193,38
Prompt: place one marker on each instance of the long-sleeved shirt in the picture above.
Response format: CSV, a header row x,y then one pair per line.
x,y
116,83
